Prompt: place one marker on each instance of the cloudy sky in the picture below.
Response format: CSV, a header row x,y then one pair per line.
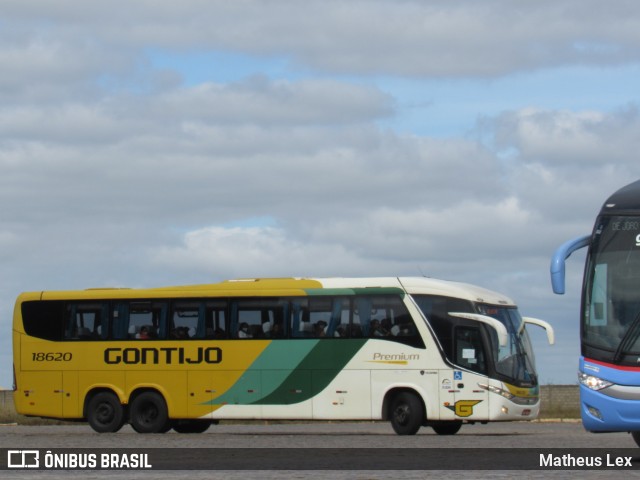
x,y
147,144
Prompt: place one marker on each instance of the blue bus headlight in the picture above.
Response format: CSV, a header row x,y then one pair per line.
x,y
593,383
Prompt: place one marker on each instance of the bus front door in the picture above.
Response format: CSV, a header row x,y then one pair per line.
x,y
461,398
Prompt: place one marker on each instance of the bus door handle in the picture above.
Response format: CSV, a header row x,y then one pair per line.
x,y
460,385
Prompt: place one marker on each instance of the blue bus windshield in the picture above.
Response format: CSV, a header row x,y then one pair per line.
x,y
611,320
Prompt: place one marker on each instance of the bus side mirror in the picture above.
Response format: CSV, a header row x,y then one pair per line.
x,y
500,329
557,268
541,323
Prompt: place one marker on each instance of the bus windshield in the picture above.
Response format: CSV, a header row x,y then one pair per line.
x,y
515,359
611,320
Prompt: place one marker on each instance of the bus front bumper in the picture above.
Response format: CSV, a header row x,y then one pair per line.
x,y
614,409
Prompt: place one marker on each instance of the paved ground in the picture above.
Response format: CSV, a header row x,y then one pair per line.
x,y
347,438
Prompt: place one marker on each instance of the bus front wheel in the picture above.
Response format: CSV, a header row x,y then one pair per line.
x,y
149,414
105,413
407,414
447,428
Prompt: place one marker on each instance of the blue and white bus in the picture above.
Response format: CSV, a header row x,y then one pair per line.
x,y
609,367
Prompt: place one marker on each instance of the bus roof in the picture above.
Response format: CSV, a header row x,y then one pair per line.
x,y
626,200
467,291
265,287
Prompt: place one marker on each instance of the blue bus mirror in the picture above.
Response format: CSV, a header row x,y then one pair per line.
x,y
557,268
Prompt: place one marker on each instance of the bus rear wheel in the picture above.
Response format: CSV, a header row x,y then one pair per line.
x,y
149,414
407,414
191,426
105,413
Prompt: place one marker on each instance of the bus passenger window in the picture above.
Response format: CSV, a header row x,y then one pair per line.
x,y
85,321
215,320
150,315
184,321
256,318
389,319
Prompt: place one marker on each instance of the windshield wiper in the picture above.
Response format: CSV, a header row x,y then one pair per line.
x,y
628,339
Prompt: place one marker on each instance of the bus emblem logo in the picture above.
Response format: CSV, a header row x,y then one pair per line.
x,y
463,408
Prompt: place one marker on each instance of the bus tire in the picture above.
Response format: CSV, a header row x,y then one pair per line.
x,y
447,428
192,426
148,413
636,437
105,413
407,413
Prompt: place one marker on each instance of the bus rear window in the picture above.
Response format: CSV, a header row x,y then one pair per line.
x,y
44,319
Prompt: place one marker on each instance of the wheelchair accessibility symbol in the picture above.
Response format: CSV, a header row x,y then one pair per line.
x,y
457,375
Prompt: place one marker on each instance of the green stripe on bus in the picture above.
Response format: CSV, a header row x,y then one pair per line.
x,y
272,379
319,292
315,372
267,372
379,291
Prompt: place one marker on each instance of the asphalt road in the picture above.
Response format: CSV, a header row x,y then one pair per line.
x,y
364,442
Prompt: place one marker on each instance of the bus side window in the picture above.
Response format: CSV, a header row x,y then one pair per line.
x,y
143,320
341,318
320,313
215,317
389,319
299,318
469,352
86,321
255,318
186,320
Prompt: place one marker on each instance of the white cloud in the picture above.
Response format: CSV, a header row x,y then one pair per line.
x,y
442,38
570,138
254,252
259,100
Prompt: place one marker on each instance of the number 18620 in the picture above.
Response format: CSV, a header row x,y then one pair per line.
x,y
51,357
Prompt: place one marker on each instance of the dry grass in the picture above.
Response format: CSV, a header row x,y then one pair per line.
x,y
8,415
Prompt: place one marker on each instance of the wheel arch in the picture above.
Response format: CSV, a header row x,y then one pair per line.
x,y
95,390
140,389
392,393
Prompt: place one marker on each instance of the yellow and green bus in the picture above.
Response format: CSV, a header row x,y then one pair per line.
x,y
414,351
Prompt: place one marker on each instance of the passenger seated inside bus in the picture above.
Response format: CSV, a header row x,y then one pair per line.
x,y
377,330
243,331
180,333
320,329
404,328
275,331
143,334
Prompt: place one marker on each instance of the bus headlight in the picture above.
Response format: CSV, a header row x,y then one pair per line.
x,y
508,395
505,393
593,383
